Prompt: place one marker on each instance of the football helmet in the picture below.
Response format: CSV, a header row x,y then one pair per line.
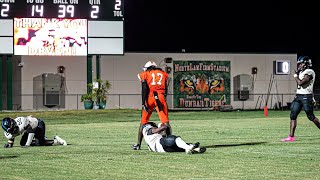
x,y
306,61
152,124
9,125
149,64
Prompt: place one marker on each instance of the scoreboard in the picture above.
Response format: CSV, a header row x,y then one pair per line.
x,y
78,9
61,27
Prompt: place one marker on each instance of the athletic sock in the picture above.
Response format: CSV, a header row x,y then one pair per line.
x,y
181,144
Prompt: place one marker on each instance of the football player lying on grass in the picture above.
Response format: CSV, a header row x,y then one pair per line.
x,y
32,130
157,141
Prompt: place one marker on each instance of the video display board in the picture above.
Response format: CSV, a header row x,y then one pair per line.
x,y
50,37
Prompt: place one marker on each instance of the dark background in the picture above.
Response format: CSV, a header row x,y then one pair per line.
x,y
225,26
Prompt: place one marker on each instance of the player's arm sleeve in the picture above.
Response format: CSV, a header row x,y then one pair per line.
x,y
10,137
160,129
30,137
310,74
145,91
310,77
306,79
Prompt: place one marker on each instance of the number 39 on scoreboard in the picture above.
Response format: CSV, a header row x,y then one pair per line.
x,y
77,9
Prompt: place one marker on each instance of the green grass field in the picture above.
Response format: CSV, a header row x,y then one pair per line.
x,y
240,145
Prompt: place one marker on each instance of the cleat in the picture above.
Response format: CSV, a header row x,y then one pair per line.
x,y
137,147
193,146
60,141
199,150
288,139
196,145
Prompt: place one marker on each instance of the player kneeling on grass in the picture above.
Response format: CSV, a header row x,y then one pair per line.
x,y
157,142
32,130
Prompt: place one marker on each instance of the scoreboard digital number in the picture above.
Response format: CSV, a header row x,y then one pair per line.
x,y
61,27
281,67
73,9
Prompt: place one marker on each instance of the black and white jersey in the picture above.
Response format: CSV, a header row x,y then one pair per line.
x,y
153,140
306,88
23,123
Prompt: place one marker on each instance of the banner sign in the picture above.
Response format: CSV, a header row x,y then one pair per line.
x,y
201,84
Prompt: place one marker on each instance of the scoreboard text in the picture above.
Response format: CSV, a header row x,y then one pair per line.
x,y
75,9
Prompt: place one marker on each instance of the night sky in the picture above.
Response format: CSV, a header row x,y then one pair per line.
x,y
225,26
221,26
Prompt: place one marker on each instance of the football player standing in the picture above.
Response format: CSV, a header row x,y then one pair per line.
x,y
154,90
305,78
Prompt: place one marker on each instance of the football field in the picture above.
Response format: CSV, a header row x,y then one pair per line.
x,y
240,145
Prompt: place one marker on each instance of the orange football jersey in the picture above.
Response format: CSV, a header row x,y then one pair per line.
x,y
156,80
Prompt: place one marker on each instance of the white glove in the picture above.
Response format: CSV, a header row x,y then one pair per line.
x,y
295,73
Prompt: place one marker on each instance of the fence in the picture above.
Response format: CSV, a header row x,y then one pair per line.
x,y
133,101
